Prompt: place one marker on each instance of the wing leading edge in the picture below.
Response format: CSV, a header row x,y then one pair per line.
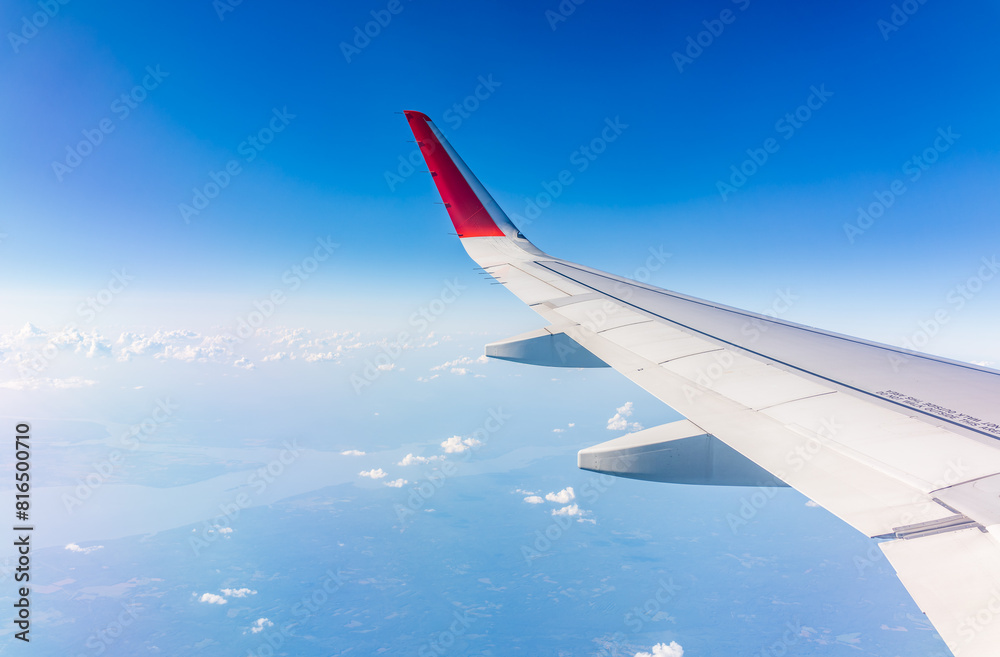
x,y
901,445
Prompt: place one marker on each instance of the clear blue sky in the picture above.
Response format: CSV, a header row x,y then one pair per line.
x,y
325,172
113,114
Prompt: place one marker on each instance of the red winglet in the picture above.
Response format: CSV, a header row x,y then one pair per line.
x,y
465,209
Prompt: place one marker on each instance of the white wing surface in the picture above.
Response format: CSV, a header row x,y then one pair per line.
x,y
900,445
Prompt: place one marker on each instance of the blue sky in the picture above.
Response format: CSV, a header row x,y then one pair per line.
x,y
116,117
325,172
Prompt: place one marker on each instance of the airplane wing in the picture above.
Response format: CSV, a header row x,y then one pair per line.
x,y
901,445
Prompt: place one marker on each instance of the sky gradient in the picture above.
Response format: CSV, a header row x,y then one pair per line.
x,y
553,83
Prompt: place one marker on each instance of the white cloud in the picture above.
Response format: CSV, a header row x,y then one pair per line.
x,y
534,499
396,483
563,496
618,422
377,473
225,530
20,347
41,383
73,547
238,593
212,599
572,511
453,366
664,650
811,503
320,357
385,367
352,452
455,444
259,625
558,430
410,459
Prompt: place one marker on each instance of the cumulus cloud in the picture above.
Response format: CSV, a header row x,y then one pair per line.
x,y
811,503
562,497
619,421
454,366
212,599
410,459
572,511
663,650
456,445
534,499
376,473
396,483
352,452
259,625
238,593
21,347
73,547
225,530
320,357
